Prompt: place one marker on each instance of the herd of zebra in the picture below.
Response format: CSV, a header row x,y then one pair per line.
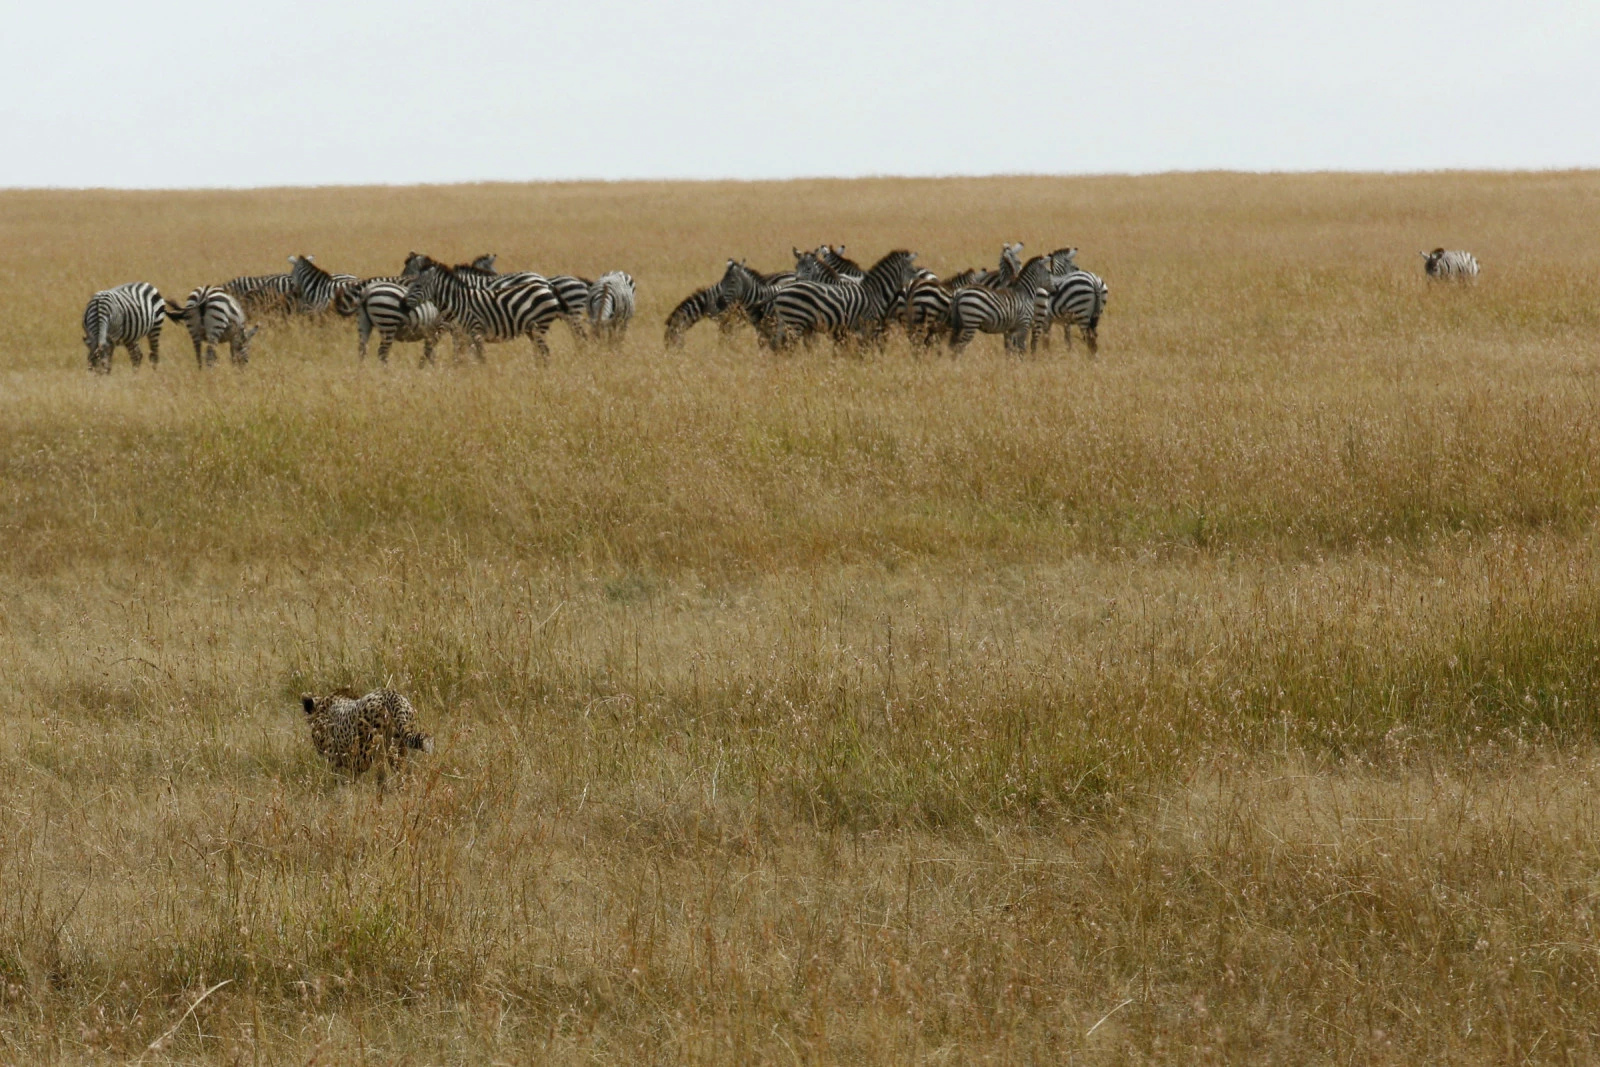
x,y
471,300
825,294
829,294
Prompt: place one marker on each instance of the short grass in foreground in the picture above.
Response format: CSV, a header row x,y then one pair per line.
x,y
1231,696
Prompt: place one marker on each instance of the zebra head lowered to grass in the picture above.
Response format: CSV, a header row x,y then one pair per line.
x,y
1452,264
123,316
704,303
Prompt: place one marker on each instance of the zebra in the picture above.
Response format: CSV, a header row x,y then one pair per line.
x,y
751,292
1063,261
811,267
573,293
264,293
1011,310
1454,265
611,304
487,308
846,268
1077,298
927,307
314,286
377,303
121,316
808,308
213,315
707,303
417,262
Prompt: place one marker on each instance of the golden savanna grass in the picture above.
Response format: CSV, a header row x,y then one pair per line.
x,y
1229,697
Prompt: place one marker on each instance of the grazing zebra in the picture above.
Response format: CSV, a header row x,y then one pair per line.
x,y
1010,310
808,308
1076,299
264,293
704,303
1455,265
611,305
122,316
743,289
213,315
377,305
487,308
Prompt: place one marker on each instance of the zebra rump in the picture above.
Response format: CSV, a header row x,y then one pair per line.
x,y
610,304
213,315
122,316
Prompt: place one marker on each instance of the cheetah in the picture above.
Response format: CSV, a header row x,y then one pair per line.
x,y
351,732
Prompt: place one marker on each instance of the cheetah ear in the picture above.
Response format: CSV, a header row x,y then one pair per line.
x,y
308,702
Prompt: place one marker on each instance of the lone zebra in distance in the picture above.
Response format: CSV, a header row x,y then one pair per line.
x,y
1453,265
123,316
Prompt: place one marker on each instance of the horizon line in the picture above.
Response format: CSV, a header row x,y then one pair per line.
x,y
1017,175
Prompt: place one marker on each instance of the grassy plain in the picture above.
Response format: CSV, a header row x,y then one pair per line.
x,y
1230,697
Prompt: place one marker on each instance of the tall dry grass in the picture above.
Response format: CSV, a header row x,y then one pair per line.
x,y
1228,697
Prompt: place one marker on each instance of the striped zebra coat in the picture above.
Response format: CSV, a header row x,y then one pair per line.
x,y
1011,310
1077,298
314,287
123,316
377,305
751,292
611,302
492,308
1452,265
213,315
264,293
805,309
704,303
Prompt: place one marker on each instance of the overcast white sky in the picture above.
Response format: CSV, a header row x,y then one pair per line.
x,y
284,92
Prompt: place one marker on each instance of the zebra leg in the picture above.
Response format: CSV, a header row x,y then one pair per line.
x,y
363,334
199,352
211,354
1091,337
428,341
541,350
155,346
385,341
135,353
